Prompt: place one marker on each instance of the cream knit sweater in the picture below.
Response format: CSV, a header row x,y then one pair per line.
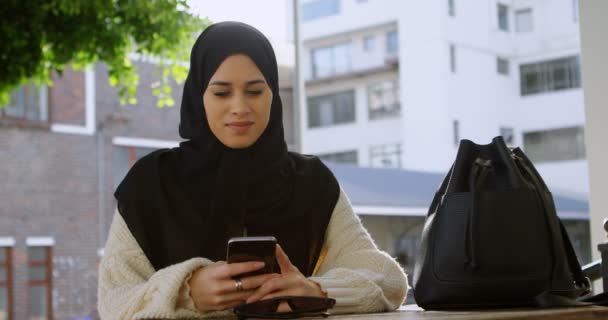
x,y
351,269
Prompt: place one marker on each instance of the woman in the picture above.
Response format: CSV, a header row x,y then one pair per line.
x,y
178,207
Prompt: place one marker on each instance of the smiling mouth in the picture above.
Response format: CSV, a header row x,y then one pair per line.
x,y
240,127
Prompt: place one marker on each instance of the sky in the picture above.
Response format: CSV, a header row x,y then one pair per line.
x,y
269,16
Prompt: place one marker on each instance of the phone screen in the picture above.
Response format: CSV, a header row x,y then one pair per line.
x,y
243,249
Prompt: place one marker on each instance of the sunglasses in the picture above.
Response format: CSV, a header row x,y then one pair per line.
x,y
300,307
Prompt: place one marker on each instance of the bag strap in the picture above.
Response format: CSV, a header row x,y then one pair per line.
x,y
563,298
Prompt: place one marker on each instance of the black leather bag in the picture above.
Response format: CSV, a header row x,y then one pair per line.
x,y
492,237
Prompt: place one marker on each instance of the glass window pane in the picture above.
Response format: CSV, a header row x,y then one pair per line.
x,y
342,58
331,109
386,156
3,303
369,43
3,275
120,163
322,62
320,8
523,20
451,8
3,255
37,305
36,254
349,157
503,17
555,145
550,75
32,103
392,42
15,107
502,66
383,99
37,273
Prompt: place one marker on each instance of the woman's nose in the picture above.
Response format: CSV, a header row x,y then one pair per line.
x,y
239,105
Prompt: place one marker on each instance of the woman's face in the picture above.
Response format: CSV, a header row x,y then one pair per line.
x,y
237,102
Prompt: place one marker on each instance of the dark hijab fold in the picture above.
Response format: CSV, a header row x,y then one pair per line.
x,y
188,201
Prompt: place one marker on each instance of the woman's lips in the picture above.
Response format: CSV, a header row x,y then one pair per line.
x,y
240,127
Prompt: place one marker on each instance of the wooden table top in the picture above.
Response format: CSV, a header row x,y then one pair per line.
x,y
413,312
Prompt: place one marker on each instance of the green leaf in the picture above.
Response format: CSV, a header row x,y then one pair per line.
x,y
78,33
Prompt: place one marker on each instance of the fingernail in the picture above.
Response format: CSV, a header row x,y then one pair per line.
x,y
259,264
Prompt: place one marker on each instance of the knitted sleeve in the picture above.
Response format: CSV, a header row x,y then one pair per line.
x,y
353,270
129,287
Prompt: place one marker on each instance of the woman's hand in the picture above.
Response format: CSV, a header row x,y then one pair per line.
x,y
291,282
212,287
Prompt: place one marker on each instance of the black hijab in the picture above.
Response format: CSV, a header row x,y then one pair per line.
x,y
188,201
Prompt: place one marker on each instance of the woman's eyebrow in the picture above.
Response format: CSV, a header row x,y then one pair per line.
x,y
226,83
220,83
250,82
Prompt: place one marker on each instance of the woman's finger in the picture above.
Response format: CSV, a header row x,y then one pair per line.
x,y
283,261
234,269
270,286
248,283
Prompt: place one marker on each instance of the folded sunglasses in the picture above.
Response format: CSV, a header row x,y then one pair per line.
x,y
301,306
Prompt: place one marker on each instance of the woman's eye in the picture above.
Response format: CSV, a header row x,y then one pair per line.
x,y
222,93
254,92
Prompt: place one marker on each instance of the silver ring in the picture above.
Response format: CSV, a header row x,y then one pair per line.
x,y
238,285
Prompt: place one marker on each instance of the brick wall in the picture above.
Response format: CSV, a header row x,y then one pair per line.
x,y
49,188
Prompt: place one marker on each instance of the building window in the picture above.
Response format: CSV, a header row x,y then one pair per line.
x,y
123,158
383,99
502,66
508,135
29,102
320,8
456,132
331,109
575,10
552,75
503,17
331,61
350,157
555,145
385,156
523,20
451,8
39,282
453,58
369,43
6,282
392,42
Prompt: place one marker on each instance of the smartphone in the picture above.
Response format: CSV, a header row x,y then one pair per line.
x,y
243,249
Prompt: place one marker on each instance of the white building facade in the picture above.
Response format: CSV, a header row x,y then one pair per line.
x,y
394,83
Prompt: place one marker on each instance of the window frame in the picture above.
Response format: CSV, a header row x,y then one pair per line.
x,y
47,282
7,265
332,53
396,90
452,8
453,66
499,11
500,61
383,151
519,12
392,48
329,155
333,96
544,72
44,119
